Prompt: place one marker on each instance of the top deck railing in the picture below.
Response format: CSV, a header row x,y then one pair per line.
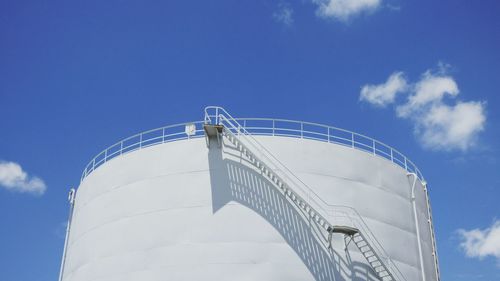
x,y
256,126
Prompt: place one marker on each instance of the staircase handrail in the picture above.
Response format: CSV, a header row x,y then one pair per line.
x,y
359,223
222,117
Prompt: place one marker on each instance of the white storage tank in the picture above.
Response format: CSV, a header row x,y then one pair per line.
x,y
250,199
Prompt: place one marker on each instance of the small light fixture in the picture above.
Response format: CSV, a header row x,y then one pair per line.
x,y
190,129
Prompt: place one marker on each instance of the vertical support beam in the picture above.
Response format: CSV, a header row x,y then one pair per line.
x,y
433,235
417,228
71,200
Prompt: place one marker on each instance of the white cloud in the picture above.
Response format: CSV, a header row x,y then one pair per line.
x,y
344,9
440,122
284,14
385,93
479,243
446,127
430,90
12,177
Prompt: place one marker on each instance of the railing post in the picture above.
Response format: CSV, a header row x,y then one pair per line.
x,y
328,134
374,149
273,127
140,140
392,157
406,165
163,135
352,139
301,130
105,156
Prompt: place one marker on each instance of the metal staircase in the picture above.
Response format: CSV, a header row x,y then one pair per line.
x,y
219,124
371,256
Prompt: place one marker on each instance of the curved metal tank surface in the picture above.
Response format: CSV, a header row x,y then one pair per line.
x,y
182,211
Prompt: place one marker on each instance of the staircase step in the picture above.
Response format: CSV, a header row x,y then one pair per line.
x,y
361,243
357,238
371,256
378,267
364,248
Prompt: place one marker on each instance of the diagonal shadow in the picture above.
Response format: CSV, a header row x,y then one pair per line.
x,y
234,180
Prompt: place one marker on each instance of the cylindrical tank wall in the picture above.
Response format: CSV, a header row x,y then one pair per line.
x,y
181,211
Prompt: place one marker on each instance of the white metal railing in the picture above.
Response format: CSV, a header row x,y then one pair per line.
x,y
334,214
257,126
320,132
142,140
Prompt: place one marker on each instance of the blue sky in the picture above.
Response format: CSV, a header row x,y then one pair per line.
x,y
76,77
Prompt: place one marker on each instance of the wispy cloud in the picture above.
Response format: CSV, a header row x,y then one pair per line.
x,y
60,230
440,121
385,93
284,14
343,10
393,7
482,243
13,178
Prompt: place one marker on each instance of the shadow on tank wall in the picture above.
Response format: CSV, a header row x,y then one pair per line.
x,y
233,180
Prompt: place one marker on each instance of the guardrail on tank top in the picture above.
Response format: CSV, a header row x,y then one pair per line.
x,y
256,126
